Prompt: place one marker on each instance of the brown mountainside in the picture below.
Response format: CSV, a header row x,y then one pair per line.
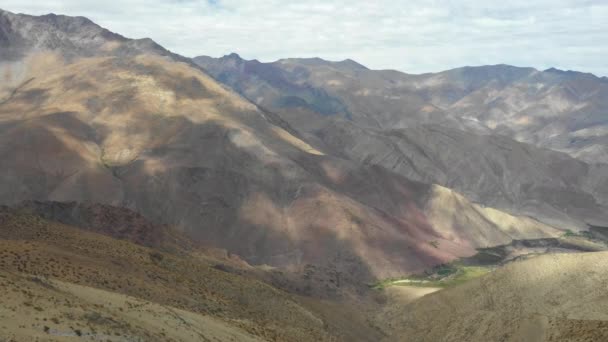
x,y
457,128
147,130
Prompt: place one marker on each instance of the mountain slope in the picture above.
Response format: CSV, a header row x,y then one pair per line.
x,y
57,262
147,130
64,311
562,110
547,298
409,124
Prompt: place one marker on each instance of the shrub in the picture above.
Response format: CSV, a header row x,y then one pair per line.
x,y
156,257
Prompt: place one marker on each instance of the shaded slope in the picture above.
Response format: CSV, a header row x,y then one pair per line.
x,y
562,110
491,170
383,111
116,222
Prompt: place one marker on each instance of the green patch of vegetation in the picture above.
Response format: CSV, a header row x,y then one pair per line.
x,y
441,276
583,234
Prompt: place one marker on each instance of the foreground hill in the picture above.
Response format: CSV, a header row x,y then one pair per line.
x,y
51,310
70,280
557,297
90,116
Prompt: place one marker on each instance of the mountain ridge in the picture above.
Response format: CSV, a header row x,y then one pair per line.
x,y
147,197
236,55
380,115
138,128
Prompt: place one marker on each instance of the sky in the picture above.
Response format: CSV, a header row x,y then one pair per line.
x,y
413,36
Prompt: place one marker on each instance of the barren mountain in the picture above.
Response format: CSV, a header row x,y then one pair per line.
x,y
112,123
561,110
556,297
154,197
60,282
410,124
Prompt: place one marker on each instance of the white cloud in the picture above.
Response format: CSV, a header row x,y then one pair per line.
x,y
413,36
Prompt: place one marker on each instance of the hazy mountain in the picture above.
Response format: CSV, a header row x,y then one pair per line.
x,y
417,126
562,110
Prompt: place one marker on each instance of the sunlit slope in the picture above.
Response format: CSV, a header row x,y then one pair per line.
x,y
51,310
458,219
558,297
34,247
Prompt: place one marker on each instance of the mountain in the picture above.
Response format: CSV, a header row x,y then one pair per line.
x,y
546,298
410,124
159,197
60,282
119,125
561,110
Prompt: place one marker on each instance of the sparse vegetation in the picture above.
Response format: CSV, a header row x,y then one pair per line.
x,y
50,255
441,276
583,234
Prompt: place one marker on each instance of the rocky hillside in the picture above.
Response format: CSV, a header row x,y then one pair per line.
x,y
561,110
59,282
430,128
149,196
144,129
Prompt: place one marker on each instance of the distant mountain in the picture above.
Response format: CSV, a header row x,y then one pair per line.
x,y
561,110
71,36
437,128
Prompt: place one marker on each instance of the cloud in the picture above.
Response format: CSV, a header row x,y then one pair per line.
x,y
412,36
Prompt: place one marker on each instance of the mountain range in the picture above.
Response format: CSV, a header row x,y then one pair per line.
x,y
560,110
314,178
460,128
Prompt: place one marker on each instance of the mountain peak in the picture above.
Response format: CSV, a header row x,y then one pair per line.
x,y
233,55
353,64
347,64
570,73
72,36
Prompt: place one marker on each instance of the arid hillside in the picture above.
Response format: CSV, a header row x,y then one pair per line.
x,y
146,196
557,109
76,280
99,118
461,129
558,297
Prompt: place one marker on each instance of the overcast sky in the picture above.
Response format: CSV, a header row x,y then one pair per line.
x,y
413,36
